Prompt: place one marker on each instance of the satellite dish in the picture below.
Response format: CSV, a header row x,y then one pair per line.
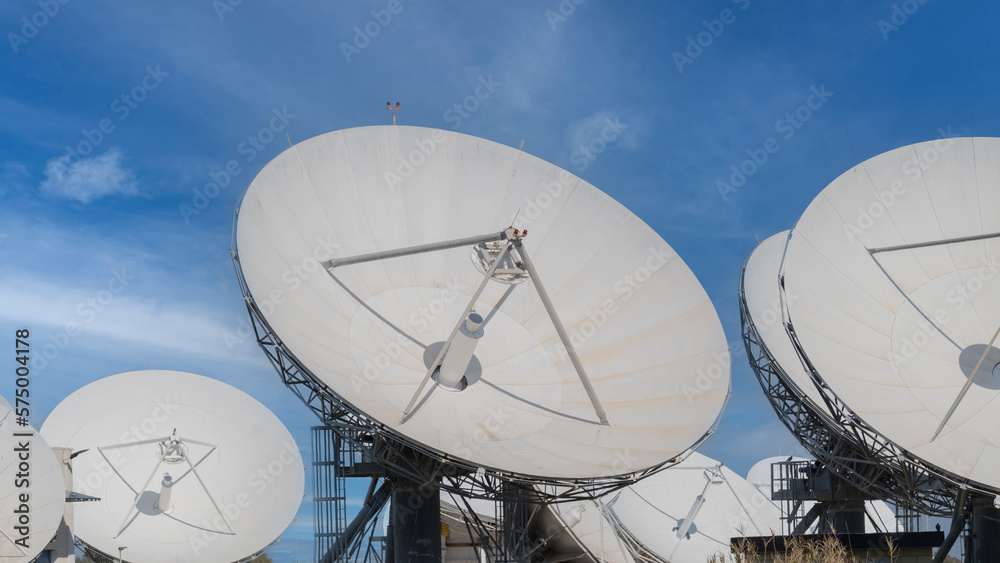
x,y
333,244
187,468
691,511
898,303
589,525
849,448
560,531
39,499
764,303
878,512
760,474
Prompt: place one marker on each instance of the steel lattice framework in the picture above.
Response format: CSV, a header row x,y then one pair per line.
x,y
406,458
849,446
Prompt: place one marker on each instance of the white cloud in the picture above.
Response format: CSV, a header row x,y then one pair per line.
x,y
90,178
625,128
129,317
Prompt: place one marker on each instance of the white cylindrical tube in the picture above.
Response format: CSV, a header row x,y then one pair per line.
x,y
163,503
684,526
456,360
574,515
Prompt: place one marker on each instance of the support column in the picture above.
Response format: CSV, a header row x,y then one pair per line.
x,y
985,531
416,522
843,517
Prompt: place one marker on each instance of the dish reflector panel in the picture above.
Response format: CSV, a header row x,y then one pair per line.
x,y
644,328
41,483
237,476
894,267
690,511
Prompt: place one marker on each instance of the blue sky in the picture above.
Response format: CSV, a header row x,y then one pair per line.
x,y
112,113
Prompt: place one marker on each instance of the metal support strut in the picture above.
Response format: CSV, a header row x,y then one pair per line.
x,y
584,379
410,250
513,239
454,332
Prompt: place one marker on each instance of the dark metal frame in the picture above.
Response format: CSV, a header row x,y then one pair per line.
x,y
102,557
849,446
329,490
405,457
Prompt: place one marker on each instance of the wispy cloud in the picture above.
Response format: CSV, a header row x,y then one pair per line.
x,y
13,175
114,312
626,130
88,179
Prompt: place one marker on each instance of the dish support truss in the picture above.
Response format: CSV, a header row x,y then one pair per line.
x,y
84,549
406,457
340,452
846,444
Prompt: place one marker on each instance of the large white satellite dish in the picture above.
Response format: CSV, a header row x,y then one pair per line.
x,y
590,527
897,303
761,289
691,511
849,448
187,468
569,531
32,497
608,360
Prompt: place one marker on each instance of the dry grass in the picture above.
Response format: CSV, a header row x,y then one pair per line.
x,y
798,550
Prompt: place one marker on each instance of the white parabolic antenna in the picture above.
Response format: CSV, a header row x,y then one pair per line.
x,y
569,529
586,520
691,511
760,474
590,348
761,289
847,446
42,482
897,299
187,468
